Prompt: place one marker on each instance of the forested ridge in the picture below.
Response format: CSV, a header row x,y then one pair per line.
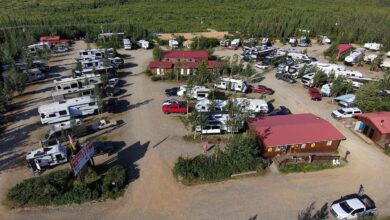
x,y
347,20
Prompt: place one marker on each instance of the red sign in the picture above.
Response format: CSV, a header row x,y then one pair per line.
x,y
81,158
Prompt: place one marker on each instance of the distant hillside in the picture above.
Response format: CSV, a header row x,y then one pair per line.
x,y
350,20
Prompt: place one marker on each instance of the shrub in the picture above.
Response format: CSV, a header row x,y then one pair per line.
x,y
295,168
148,72
114,181
156,78
239,156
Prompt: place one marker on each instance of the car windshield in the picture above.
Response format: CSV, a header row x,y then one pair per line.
x,y
344,205
341,111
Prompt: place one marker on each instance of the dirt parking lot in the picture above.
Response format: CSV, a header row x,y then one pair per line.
x,y
153,141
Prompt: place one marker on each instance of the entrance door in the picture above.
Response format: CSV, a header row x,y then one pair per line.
x,y
371,134
365,130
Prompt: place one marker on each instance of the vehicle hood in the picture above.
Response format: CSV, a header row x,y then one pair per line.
x,y
339,211
337,113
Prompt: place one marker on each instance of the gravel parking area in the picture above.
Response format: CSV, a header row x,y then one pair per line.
x,y
153,141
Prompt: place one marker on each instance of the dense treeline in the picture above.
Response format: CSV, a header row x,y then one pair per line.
x,y
349,20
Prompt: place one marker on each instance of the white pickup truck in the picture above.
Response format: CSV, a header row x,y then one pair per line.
x,y
353,206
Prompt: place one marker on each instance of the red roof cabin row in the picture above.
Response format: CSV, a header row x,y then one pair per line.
x,y
375,126
54,40
299,133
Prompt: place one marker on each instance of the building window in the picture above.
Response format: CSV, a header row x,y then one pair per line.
x,y
303,146
328,143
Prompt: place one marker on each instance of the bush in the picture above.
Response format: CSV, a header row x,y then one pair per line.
x,y
240,156
148,72
296,168
60,187
156,78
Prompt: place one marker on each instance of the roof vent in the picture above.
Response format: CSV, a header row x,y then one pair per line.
x,y
382,122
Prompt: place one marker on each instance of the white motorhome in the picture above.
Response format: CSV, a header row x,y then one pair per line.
x,y
143,44
42,158
373,46
308,79
204,105
354,57
252,105
127,44
66,84
328,67
59,95
173,44
231,84
197,92
64,110
95,54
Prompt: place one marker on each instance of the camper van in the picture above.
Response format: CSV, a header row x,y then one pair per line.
x,y
252,105
60,95
204,105
231,84
173,44
197,92
354,57
127,44
64,110
77,82
41,46
43,158
373,46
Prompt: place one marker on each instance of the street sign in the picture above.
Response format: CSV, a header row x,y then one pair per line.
x,y
81,158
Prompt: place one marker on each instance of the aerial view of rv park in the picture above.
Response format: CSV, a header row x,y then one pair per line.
x,y
252,109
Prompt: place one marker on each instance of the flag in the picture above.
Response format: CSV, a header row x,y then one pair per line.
x,y
361,190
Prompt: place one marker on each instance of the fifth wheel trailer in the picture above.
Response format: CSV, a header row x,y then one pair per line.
x,y
64,110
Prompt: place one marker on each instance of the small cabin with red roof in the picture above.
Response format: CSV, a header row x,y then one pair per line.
x,y
376,126
294,134
186,61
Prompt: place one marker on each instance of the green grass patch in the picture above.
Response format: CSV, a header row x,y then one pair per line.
x,y
387,151
61,187
298,168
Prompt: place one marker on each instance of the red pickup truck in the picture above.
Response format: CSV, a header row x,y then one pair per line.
x,y
315,94
180,107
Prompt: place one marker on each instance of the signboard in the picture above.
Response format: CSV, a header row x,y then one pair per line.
x,y
81,158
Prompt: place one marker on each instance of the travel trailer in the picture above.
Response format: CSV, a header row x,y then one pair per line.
x,y
197,92
66,84
231,84
64,110
144,44
41,46
204,105
96,54
354,57
127,44
217,124
43,158
252,105
59,95
373,46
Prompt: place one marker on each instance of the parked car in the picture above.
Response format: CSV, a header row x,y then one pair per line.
x,y
265,64
315,94
170,101
61,49
353,206
180,107
282,110
262,89
345,113
286,77
112,91
103,147
172,91
103,124
112,82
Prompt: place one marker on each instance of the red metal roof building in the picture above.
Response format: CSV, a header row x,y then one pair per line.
x,y
343,48
376,126
186,56
299,133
